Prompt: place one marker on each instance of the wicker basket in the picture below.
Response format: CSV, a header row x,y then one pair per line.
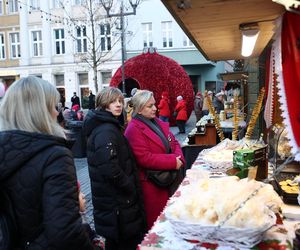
x,y
225,235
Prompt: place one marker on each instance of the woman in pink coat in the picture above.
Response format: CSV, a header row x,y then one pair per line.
x,y
155,148
182,116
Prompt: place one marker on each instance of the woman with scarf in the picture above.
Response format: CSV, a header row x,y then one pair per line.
x,y
155,148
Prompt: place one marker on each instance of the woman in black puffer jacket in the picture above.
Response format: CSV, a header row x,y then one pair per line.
x,y
37,169
118,209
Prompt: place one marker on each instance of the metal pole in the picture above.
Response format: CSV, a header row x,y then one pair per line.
x,y
123,48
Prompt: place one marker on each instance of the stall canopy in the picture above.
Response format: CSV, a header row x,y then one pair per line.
x,y
214,25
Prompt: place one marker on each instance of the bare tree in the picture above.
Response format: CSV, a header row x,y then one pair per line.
x,y
96,28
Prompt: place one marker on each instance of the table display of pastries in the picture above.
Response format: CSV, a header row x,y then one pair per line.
x,y
206,202
220,157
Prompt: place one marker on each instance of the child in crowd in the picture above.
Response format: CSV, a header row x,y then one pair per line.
x,y
97,240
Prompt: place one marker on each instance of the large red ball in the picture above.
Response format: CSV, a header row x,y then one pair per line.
x,y
156,73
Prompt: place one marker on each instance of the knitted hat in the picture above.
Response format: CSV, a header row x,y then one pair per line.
x,y
179,98
75,107
219,94
165,94
199,94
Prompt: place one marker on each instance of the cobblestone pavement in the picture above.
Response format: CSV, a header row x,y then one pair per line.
x,y
83,176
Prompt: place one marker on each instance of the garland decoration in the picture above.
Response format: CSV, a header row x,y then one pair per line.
x,y
216,117
255,113
235,130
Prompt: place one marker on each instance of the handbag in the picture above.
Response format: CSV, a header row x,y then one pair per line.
x,y
162,178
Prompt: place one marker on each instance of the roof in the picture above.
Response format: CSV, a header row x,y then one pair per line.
x,y
213,25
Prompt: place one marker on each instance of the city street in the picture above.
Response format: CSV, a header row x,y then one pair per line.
x,y
83,176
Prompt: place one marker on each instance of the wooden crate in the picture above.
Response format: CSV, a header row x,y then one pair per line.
x,y
209,138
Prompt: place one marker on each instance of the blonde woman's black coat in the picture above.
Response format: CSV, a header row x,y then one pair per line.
x,y
38,174
116,193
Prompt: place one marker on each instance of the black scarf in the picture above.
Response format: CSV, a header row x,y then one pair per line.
x,y
154,126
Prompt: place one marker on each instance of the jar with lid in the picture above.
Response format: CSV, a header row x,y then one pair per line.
x,y
226,105
222,115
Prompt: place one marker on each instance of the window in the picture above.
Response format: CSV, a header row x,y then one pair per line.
x,y
84,89
37,75
147,34
106,77
37,43
59,36
57,3
12,6
15,50
59,80
81,39
35,4
2,47
105,37
1,7
167,34
187,42
83,78
78,2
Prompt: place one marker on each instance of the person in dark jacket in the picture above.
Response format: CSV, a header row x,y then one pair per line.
x,y
75,100
116,193
218,103
91,100
198,104
37,169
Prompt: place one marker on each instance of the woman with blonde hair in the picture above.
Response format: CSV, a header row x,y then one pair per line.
x,y
116,193
155,148
37,170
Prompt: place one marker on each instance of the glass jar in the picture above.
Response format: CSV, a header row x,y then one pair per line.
x,y
222,115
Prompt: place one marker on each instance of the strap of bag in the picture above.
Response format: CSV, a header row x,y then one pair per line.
x,y
154,126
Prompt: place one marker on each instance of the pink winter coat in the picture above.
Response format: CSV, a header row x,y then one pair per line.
x,y
150,153
163,107
181,110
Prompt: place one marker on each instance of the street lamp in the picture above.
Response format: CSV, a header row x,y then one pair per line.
x,y
107,4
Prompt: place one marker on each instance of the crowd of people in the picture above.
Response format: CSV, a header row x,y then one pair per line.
x,y
38,175
201,103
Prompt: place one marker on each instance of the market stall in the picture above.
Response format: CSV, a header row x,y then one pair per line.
x,y
227,199
197,215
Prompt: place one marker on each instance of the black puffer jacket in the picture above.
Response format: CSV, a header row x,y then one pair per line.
x,y
116,194
37,171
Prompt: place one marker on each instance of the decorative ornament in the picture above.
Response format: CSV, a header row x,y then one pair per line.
x,y
270,90
255,113
157,73
235,130
216,117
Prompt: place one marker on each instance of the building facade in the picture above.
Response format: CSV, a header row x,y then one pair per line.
x,y
53,40
153,26
9,41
